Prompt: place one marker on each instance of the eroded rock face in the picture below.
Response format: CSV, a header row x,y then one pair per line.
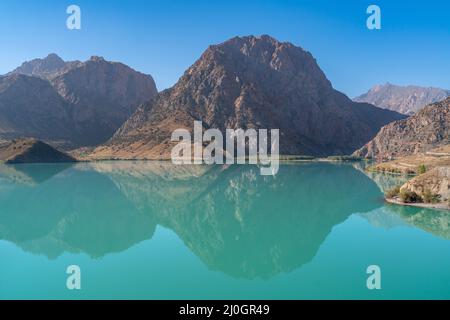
x,y
426,130
436,181
404,99
252,82
70,104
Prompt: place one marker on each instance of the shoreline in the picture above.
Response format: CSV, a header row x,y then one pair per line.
x,y
392,173
436,206
169,160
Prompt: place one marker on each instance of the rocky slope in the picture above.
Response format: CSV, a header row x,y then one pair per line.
x,y
252,82
426,130
31,151
435,181
30,107
404,99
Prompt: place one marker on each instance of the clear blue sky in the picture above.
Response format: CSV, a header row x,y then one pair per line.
x,y
163,38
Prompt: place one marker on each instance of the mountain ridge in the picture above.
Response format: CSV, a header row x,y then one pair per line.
x,y
251,82
46,68
70,104
404,99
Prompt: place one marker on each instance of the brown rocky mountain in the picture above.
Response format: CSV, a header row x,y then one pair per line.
x,y
103,95
31,151
70,104
404,99
252,82
426,130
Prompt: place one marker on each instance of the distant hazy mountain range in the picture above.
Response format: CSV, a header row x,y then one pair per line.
x,y
70,104
252,82
404,99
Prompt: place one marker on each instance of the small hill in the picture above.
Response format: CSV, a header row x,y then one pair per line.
x,y
435,182
31,151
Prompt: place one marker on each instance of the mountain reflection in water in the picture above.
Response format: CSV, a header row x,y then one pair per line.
x,y
235,220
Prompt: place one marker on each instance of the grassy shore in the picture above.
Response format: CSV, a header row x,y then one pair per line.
x,y
429,184
411,165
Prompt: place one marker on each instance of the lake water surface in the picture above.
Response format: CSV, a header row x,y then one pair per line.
x,y
153,230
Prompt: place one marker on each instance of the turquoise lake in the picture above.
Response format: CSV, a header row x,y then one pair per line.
x,y
153,230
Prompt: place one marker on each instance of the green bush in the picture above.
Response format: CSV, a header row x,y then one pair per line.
x,y
429,197
391,193
407,196
421,169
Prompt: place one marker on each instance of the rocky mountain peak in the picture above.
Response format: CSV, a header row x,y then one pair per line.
x,y
42,67
53,58
255,54
97,59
